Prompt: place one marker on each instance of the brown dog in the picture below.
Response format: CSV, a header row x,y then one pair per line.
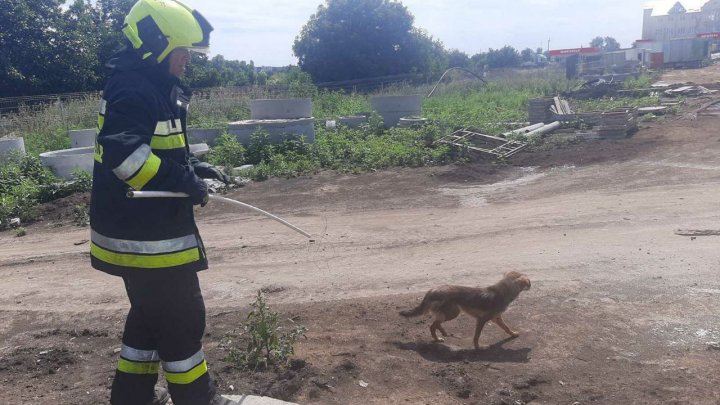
x,y
484,304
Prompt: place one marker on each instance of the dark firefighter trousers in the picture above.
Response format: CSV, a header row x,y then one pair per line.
x,y
164,327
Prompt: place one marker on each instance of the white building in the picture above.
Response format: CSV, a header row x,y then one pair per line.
x,y
680,23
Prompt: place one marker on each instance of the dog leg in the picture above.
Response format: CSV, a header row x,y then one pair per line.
x,y
478,329
499,322
433,328
442,330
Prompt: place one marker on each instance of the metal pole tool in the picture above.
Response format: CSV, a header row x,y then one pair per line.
x,y
169,194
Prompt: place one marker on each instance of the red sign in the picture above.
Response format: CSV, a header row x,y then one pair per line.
x,y
709,35
575,51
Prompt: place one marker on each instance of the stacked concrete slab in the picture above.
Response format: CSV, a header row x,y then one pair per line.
x,y
539,110
618,123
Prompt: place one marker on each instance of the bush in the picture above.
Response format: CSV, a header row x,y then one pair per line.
x,y
228,152
268,343
25,183
260,149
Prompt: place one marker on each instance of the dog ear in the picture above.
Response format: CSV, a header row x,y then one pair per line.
x,y
524,282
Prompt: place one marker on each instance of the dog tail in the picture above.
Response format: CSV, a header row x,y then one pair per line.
x,y
417,311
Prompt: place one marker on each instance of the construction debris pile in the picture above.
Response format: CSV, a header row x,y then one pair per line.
x,y
618,123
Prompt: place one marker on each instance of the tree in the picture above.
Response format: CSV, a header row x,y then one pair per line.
x,y
457,58
109,19
607,44
46,49
504,57
479,61
527,55
56,46
289,75
611,44
352,39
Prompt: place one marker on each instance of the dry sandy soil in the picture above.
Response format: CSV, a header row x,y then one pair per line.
x,y
622,309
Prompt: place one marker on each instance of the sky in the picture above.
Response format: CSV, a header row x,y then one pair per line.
x,y
264,31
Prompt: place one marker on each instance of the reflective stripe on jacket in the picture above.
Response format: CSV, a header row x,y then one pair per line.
x,y
142,145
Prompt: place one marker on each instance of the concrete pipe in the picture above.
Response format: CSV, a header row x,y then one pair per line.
x,y
279,130
64,162
525,130
353,121
412,122
392,108
203,135
11,145
546,129
280,109
82,138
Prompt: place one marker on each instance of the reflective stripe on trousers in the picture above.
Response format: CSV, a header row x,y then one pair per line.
x,y
135,361
186,371
145,254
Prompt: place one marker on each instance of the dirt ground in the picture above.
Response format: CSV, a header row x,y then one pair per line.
x,y
622,309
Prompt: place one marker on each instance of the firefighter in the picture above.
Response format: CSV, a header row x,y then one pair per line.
x,y
154,244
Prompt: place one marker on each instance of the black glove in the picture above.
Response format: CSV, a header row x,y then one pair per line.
x,y
197,189
208,171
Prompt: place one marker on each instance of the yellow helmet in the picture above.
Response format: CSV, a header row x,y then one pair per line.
x,y
157,27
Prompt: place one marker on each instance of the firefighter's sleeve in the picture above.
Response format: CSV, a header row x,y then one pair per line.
x,y
124,148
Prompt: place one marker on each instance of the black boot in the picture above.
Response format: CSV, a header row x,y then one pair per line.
x,y
161,396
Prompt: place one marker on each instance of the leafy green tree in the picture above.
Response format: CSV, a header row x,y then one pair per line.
x,y
478,61
42,49
458,59
293,74
527,55
431,58
611,44
607,44
109,19
352,39
504,57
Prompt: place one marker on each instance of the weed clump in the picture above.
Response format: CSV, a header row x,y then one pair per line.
x,y
267,342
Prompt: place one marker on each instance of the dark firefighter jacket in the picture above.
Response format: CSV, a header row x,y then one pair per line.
x,y
141,145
